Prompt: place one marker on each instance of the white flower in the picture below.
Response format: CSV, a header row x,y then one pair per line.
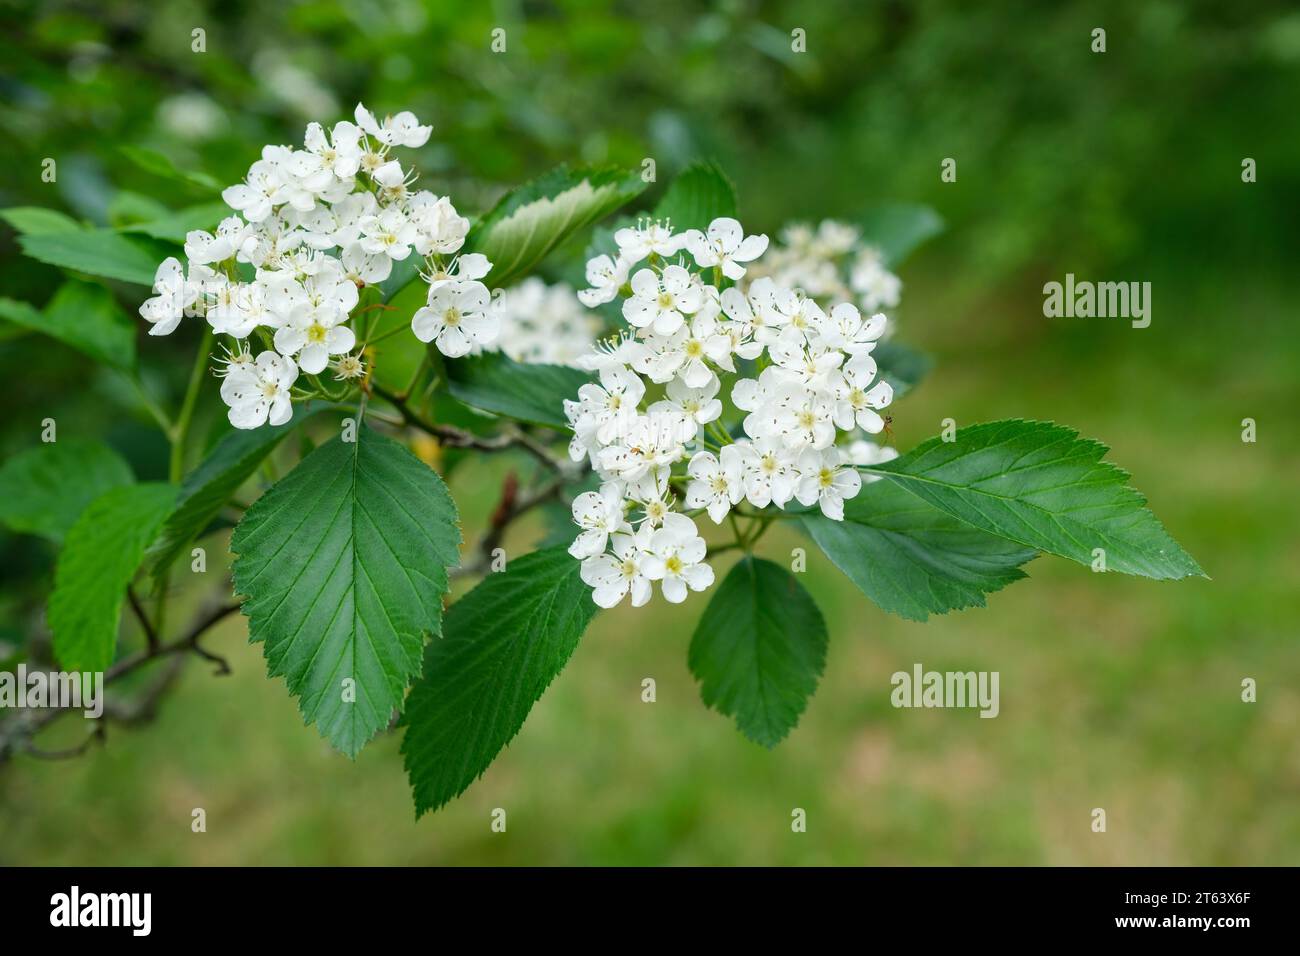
x,y
844,329
754,315
655,506
237,308
543,323
365,268
876,286
637,242
687,352
725,245
605,276
856,403
769,475
313,335
824,481
609,408
172,296
347,215
204,248
613,576
644,450
804,318
613,352
676,558
716,485
457,318
392,178
263,188
260,392
440,229
697,406
813,370
861,452
389,233
598,514
658,302
467,268
340,153
807,421
400,130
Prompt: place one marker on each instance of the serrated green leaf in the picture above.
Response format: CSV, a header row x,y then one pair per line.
x,y
502,645
130,208
342,565
100,556
207,488
155,163
37,220
1041,485
698,195
897,229
83,315
911,558
43,490
901,366
531,393
97,252
529,222
759,649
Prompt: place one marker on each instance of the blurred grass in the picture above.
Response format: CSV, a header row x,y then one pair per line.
x,y
1115,692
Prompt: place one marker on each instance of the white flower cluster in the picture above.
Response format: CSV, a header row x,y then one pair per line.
x,y
831,262
545,324
807,379
312,226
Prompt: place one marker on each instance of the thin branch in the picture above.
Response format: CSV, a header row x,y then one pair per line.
x,y
513,505
454,437
150,635
19,732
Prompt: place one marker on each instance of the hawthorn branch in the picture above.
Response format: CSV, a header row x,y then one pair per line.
x,y
512,505
19,733
150,635
454,437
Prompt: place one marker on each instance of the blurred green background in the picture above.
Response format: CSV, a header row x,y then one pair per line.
x,y
1116,693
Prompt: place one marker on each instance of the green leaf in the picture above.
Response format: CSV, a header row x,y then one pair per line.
x,y
128,209
532,393
699,194
911,558
83,315
343,568
1041,485
102,552
37,220
155,163
97,252
207,488
176,225
502,645
529,222
759,649
901,366
43,490
899,228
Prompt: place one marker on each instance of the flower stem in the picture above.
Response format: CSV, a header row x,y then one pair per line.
x,y
181,430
